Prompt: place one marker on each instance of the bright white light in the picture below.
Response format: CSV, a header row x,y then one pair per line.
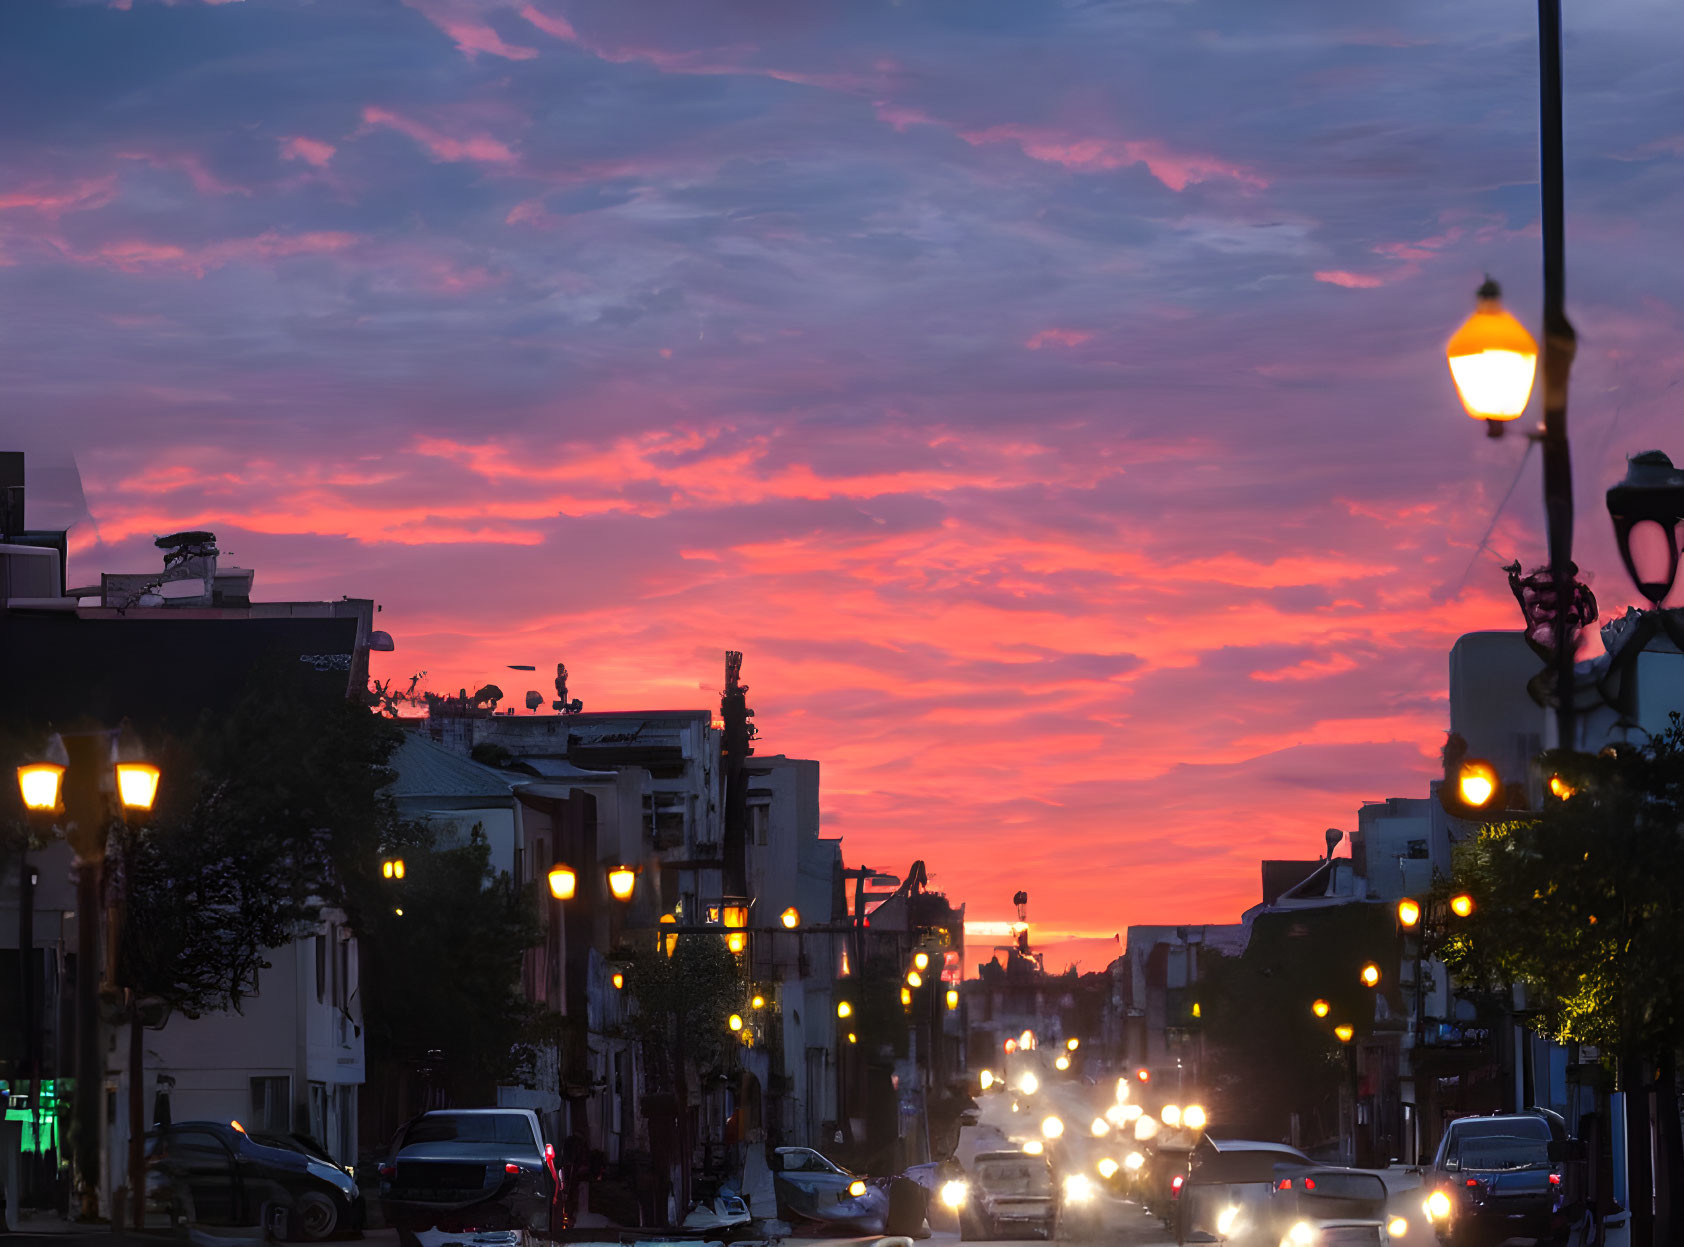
x,y
1052,1127
1437,1205
986,1079
1100,1127
1302,1232
1145,1127
1193,1117
1171,1115
1122,1090
1029,1084
1397,1227
1226,1219
1078,1189
1496,384
1107,1168
1062,1063
1133,1162
1033,1148
1132,1111
954,1194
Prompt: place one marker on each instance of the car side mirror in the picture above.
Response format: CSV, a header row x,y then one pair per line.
x,y
1451,1164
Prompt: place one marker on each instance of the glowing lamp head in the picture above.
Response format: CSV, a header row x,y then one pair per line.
x,y
1321,1008
1072,1044
1134,1162
621,881
954,1193
914,979
757,1002
853,1038
1107,1168
1051,1127
1144,1075
736,941
1061,1063
1029,1084
920,961
1345,1033
1171,1115
1371,975
1560,789
735,1021
1492,359
39,783
1010,1046
1078,1189
906,997
1100,1128
952,998
844,1009
563,882
1461,904
791,918
1193,1117
1476,783
137,785
1408,913
619,980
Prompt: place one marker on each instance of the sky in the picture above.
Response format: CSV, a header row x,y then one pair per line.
x,y
1048,397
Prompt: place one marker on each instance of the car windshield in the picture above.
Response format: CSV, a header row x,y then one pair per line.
x,y
505,1129
1501,1154
1014,1177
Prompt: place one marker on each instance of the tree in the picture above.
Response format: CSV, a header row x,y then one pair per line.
x,y
441,979
1584,901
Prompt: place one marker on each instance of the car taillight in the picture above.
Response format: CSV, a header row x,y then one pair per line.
x,y
549,1151
387,1171
1555,1179
511,1167
1473,1182
1285,1184
1175,1184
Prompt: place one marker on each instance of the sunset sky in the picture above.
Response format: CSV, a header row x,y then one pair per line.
x,y
1047,396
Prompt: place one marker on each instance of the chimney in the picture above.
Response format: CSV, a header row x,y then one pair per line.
x,y
11,494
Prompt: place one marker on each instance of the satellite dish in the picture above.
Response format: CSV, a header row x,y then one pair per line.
x,y
534,699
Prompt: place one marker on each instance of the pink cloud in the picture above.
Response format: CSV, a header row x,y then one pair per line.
x,y
52,202
470,33
310,151
1176,170
481,147
529,212
140,255
1351,281
1059,337
559,27
203,180
902,119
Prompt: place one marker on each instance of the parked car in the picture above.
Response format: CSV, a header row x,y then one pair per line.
x,y
812,1187
483,1170
1007,1194
1225,1193
1494,1178
215,1173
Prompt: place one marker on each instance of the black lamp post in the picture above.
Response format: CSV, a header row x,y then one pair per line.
x,y
1652,493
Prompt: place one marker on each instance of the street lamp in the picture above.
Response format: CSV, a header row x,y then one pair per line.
x,y
1062,1063
1492,361
844,1009
1171,1115
1408,913
1477,783
735,1021
564,882
392,868
621,881
1072,1044
952,997
920,960
1652,493
1371,975
1345,1033
1321,1008
137,785
40,784
1028,1083
1051,1127
914,979
1461,904
791,918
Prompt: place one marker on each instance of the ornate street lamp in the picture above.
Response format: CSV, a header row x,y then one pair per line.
x,y
791,918
1493,361
40,784
564,882
137,785
1652,493
1344,1033
621,881
1408,913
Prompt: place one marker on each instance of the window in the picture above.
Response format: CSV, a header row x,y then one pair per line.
x,y
759,823
669,819
271,1104
318,1111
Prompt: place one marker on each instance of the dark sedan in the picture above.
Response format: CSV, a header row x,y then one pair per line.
x,y
216,1174
486,1172
1493,1179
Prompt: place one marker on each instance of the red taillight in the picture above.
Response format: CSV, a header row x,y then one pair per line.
x,y
1285,1184
1473,1182
511,1167
387,1171
1175,1183
549,1151
1555,1179
1309,1184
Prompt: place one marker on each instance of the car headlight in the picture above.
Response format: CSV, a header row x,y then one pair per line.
x,y
1437,1205
1226,1219
1107,1168
856,1188
1078,1189
1397,1227
1301,1233
954,1194
1133,1162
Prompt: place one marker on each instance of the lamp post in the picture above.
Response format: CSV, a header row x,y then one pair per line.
x,y
105,776
1487,386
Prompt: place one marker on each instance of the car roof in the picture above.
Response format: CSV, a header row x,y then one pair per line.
x,y
1253,1145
